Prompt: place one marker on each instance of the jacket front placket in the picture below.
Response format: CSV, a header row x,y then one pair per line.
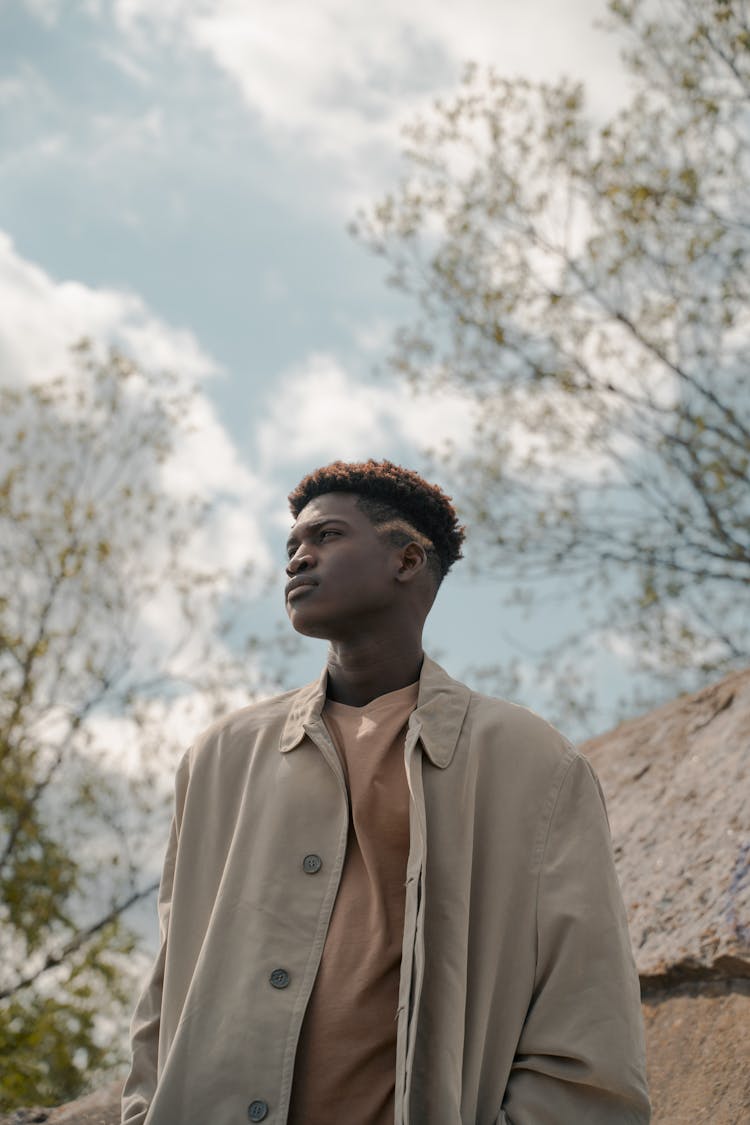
x,y
412,955
316,730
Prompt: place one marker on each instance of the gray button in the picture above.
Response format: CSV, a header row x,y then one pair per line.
x,y
257,1110
279,979
311,864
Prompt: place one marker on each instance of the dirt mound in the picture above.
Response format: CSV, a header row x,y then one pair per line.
x,y
676,782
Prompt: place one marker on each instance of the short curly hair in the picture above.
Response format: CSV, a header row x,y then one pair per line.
x,y
386,493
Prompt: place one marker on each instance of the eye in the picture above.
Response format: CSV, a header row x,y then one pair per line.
x,y
328,531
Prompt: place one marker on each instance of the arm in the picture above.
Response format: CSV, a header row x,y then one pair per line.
x,y
144,1029
580,1057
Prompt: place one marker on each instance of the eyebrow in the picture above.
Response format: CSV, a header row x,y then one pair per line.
x,y
314,525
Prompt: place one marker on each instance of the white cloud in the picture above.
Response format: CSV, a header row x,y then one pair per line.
x,y
318,412
41,317
339,77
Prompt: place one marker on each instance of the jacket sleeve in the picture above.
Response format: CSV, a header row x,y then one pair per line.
x,y
580,1057
140,1083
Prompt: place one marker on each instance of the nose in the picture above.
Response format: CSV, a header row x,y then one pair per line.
x,y
299,561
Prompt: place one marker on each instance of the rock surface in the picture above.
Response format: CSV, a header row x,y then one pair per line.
x,y
676,782
100,1108
697,1045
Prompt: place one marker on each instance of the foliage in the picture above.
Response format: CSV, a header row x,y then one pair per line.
x,y
111,630
51,1042
588,287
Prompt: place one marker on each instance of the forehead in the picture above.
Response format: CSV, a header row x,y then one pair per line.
x,y
341,506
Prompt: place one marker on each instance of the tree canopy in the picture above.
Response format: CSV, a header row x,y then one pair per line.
x,y
587,284
113,644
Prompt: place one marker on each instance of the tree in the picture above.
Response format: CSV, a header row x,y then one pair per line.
x,y
588,287
114,638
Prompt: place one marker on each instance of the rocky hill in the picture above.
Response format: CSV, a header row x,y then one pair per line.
x,y
676,782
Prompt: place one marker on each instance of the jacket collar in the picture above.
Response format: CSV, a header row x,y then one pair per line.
x,y
438,717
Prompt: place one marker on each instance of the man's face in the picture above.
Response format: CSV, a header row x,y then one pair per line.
x,y
341,570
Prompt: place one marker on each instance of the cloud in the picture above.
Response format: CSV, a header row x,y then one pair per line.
x,y
23,86
41,317
47,12
34,128
126,64
674,622
340,78
128,136
319,412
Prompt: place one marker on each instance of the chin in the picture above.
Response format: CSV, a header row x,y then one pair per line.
x,y
308,626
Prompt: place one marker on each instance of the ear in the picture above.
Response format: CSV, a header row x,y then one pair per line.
x,y
413,562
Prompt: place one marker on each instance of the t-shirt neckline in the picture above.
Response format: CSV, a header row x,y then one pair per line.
x,y
388,699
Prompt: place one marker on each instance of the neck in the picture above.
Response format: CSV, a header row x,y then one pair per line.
x,y
359,672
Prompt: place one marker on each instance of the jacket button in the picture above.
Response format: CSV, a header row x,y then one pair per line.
x,y
257,1110
311,864
279,979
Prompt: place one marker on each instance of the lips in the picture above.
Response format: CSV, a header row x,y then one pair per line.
x,y
298,583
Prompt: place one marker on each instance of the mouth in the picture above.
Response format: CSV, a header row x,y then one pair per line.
x,y
298,586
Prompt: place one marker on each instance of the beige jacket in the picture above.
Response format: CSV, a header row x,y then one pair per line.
x,y
519,1000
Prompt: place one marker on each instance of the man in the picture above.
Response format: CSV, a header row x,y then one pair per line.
x,y
386,898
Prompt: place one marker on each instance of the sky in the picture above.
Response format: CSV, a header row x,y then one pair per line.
x,y
178,177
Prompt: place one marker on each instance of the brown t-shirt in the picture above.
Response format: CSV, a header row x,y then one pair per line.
x,y
346,1057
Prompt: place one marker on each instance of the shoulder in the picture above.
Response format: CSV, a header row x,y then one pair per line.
x,y
493,733
244,726
505,715
517,731
538,769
